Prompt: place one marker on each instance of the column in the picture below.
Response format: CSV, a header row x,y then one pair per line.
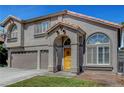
x,y
51,63
38,59
75,58
9,58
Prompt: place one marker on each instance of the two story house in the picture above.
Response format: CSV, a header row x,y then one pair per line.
x,y
64,41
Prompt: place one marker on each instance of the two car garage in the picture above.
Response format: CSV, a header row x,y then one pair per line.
x,y
28,59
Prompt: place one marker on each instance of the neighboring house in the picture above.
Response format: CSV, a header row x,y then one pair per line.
x,y
1,37
64,41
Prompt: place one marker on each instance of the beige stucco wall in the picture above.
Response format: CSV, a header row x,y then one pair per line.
x,y
31,43
29,39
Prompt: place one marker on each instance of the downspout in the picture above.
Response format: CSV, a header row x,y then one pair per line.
x,y
122,39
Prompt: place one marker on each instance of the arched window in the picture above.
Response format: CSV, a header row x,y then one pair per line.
x,y
67,42
13,31
98,49
98,38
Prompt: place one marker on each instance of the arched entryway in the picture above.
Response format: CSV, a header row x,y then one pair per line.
x,y
67,54
62,51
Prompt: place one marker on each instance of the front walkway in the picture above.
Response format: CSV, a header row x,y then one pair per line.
x,y
61,74
105,77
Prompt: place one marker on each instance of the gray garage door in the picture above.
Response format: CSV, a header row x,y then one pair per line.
x,y
27,60
44,59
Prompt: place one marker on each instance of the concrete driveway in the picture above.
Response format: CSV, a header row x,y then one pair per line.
x,y
12,75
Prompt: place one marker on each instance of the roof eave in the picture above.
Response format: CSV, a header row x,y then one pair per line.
x,y
45,16
62,13
94,19
8,18
67,25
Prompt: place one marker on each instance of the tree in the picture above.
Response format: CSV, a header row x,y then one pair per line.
x,y
122,23
3,56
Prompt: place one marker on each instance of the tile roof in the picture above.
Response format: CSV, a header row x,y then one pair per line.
x,y
73,26
79,15
93,19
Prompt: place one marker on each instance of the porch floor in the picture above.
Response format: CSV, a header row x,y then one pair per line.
x,y
105,77
60,74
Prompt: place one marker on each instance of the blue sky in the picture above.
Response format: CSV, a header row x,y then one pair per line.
x,y
110,13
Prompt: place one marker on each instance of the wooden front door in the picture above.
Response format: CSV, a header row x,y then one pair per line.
x,y
67,59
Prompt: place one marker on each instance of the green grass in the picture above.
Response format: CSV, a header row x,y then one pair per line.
x,y
47,81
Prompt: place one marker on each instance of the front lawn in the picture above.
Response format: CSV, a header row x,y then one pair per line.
x,y
47,81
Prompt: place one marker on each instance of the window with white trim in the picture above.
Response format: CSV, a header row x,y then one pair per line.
x,y
13,32
122,40
98,50
41,27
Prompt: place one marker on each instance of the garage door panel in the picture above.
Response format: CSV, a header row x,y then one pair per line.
x,y
44,59
26,60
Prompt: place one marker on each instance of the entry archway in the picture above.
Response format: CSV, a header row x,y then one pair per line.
x,y
67,54
62,51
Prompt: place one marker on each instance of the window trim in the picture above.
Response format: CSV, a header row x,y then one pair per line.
x,y
97,63
41,33
122,40
11,32
99,45
97,34
12,40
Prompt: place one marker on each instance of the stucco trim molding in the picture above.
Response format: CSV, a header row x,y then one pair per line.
x,y
12,40
40,35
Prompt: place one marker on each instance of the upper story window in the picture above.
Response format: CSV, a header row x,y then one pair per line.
x,y
13,32
41,27
122,40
